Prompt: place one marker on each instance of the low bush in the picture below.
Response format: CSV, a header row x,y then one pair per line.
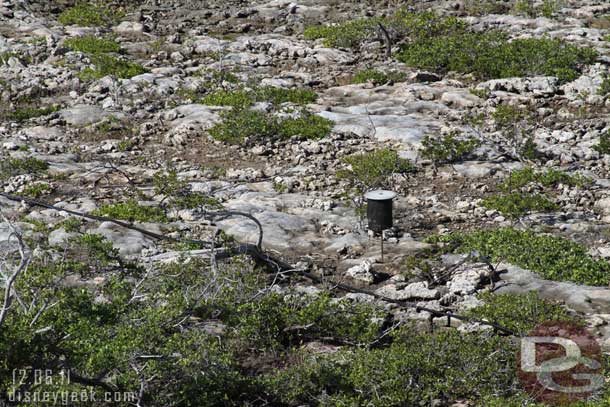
x,y
237,125
493,55
131,211
92,45
90,14
373,169
516,204
533,310
414,370
448,149
16,166
603,146
545,177
105,65
242,124
551,257
309,126
24,113
244,98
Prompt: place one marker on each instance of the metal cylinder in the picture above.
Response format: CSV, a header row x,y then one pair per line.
x,y
379,209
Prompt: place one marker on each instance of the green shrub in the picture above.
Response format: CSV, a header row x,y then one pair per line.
x,y
37,190
22,114
131,211
518,204
277,96
349,34
240,124
110,65
373,169
551,257
275,321
17,166
309,126
533,310
245,98
378,77
603,146
92,45
448,149
90,14
221,97
413,371
547,178
492,55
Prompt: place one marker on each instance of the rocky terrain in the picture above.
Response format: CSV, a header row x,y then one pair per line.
x,y
80,138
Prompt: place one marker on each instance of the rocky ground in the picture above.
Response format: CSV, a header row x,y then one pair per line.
x,y
108,137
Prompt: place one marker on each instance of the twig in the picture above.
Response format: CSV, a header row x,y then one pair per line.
x,y
23,264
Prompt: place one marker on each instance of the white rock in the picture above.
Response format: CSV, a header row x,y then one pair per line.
x,y
362,272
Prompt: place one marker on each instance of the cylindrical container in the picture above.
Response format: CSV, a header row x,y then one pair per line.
x,y
379,209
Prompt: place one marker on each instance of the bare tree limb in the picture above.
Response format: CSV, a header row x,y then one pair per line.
x,y
23,265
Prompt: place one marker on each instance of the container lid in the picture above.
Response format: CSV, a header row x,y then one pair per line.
x,y
380,195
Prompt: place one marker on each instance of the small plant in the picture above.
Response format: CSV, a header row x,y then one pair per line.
x,y
533,310
604,88
132,211
547,178
491,55
448,149
37,190
373,169
603,146
240,124
105,65
18,166
244,98
378,77
92,45
517,204
235,98
22,114
309,126
178,193
90,14
551,257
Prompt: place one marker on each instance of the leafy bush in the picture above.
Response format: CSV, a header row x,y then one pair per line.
x,y
37,190
92,45
349,34
309,126
518,204
17,166
414,370
372,169
240,124
22,114
221,97
275,321
178,193
378,77
547,178
90,14
551,257
449,149
603,146
245,98
533,310
110,65
131,211
492,55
